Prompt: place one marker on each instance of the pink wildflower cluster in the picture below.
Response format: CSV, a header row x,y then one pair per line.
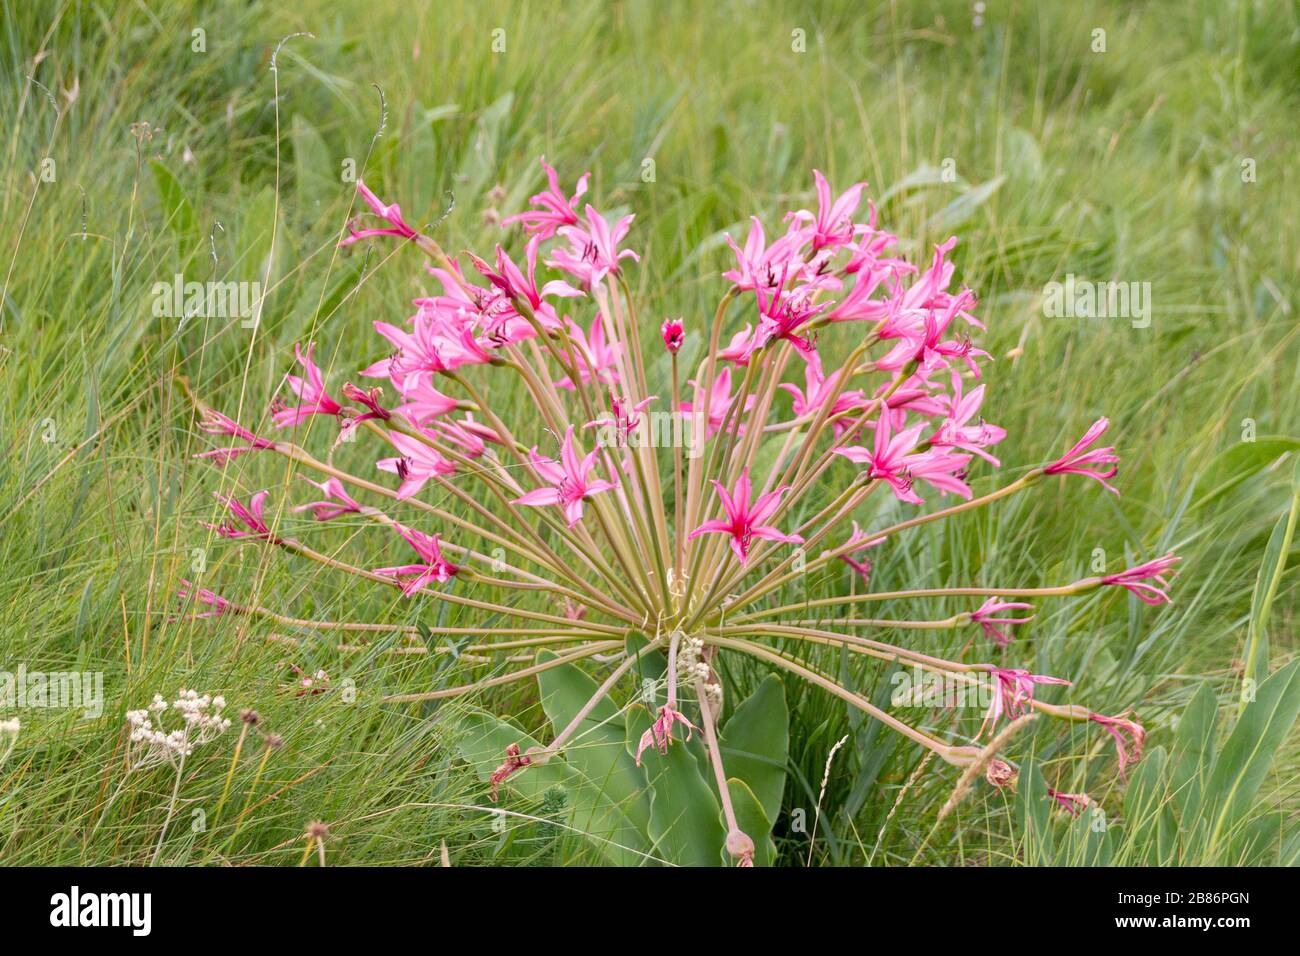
x,y
832,370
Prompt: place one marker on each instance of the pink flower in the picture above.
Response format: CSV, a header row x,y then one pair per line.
x,y
1129,738
743,521
337,500
781,315
833,224
1014,691
818,390
513,763
860,542
570,479
556,211
1073,803
368,397
436,567
424,402
1072,462
985,618
215,601
593,252
509,279
891,461
1134,579
719,402
674,334
760,267
954,432
311,393
390,214
594,356
417,465
251,517
660,733
215,423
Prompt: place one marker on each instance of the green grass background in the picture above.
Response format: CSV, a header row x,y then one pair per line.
x,y
1119,165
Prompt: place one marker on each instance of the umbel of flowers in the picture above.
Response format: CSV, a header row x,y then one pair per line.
x,y
607,532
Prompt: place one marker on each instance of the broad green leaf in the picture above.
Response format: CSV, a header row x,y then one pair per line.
x,y
751,818
483,744
1234,465
1193,752
1248,752
684,827
1031,814
1266,585
755,743
478,164
177,210
963,207
596,748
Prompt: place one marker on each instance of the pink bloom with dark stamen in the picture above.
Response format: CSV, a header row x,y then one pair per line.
x,y
955,430
892,461
555,211
593,252
763,266
993,626
416,466
1129,738
251,517
833,224
1073,462
390,214
570,480
743,521
660,733
674,334
337,500
1014,692
435,567
312,397
1135,580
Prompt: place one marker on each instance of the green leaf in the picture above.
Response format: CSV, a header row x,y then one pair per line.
x,y
755,744
964,206
1266,585
1031,815
177,210
1249,750
483,744
1234,465
684,827
1193,752
751,818
596,749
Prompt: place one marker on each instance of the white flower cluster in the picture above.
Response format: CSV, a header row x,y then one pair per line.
x,y
201,721
691,667
9,726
